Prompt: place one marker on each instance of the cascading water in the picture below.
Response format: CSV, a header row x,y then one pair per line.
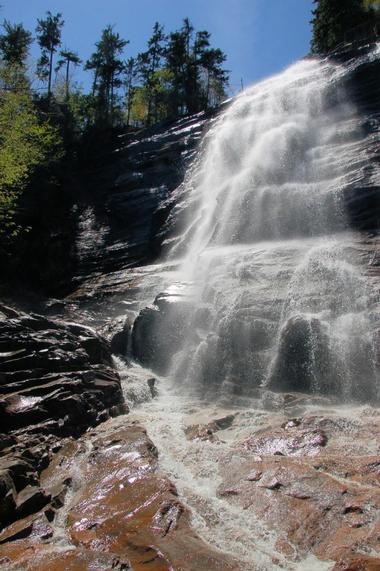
x,y
276,296
265,290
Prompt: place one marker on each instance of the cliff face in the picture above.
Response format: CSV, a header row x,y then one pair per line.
x,y
125,219
363,87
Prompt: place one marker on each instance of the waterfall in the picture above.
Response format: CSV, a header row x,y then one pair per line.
x,y
273,287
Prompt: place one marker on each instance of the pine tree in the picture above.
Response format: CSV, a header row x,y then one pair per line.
x,y
108,67
198,78
130,77
331,20
149,63
49,39
176,58
215,77
67,58
14,44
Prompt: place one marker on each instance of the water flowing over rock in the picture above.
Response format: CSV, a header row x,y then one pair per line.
x,y
278,293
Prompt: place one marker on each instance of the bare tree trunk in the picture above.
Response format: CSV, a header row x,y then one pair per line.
x,y
50,73
67,79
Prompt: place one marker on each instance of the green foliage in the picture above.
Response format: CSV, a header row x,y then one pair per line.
x,y
371,4
107,67
180,73
177,74
26,144
67,58
199,79
332,19
149,62
14,44
130,78
49,38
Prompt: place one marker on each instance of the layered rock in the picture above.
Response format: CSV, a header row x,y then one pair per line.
x,y
127,217
56,380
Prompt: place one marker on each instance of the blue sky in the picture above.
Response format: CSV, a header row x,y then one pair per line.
x,y
260,37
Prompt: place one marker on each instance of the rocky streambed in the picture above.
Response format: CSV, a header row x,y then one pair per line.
x,y
285,482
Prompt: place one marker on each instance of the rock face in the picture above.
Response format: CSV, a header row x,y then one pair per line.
x,y
294,477
301,345
160,329
56,380
126,219
363,86
127,516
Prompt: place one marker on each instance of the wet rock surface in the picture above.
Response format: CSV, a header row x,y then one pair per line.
x,y
315,480
119,512
56,380
133,207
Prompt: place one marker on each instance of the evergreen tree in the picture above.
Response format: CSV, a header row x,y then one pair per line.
x,y
14,44
67,58
210,76
331,20
130,77
107,67
176,58
149,63
191,70
49,39
215,78
199,79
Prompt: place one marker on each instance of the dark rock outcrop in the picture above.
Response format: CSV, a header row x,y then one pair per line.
x,y
56,380
160,330
303,362
126,219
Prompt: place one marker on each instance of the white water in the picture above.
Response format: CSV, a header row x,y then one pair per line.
x,y
268,253
276,285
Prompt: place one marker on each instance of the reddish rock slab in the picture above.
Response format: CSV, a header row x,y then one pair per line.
x,y
321,494
121,513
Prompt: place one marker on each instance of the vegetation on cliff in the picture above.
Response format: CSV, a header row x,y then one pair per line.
x,y
28,140
337,21
179,73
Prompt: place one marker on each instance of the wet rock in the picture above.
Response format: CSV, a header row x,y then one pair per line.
x,y
152,387
127,516
302,357
118,333
254,476
206,431
361,563
271,484
160,330
30,500
56,381
328,508
226,492
166,520
304,442
200,432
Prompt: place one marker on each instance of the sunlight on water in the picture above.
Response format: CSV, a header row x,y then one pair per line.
x,y
268,252
269,292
